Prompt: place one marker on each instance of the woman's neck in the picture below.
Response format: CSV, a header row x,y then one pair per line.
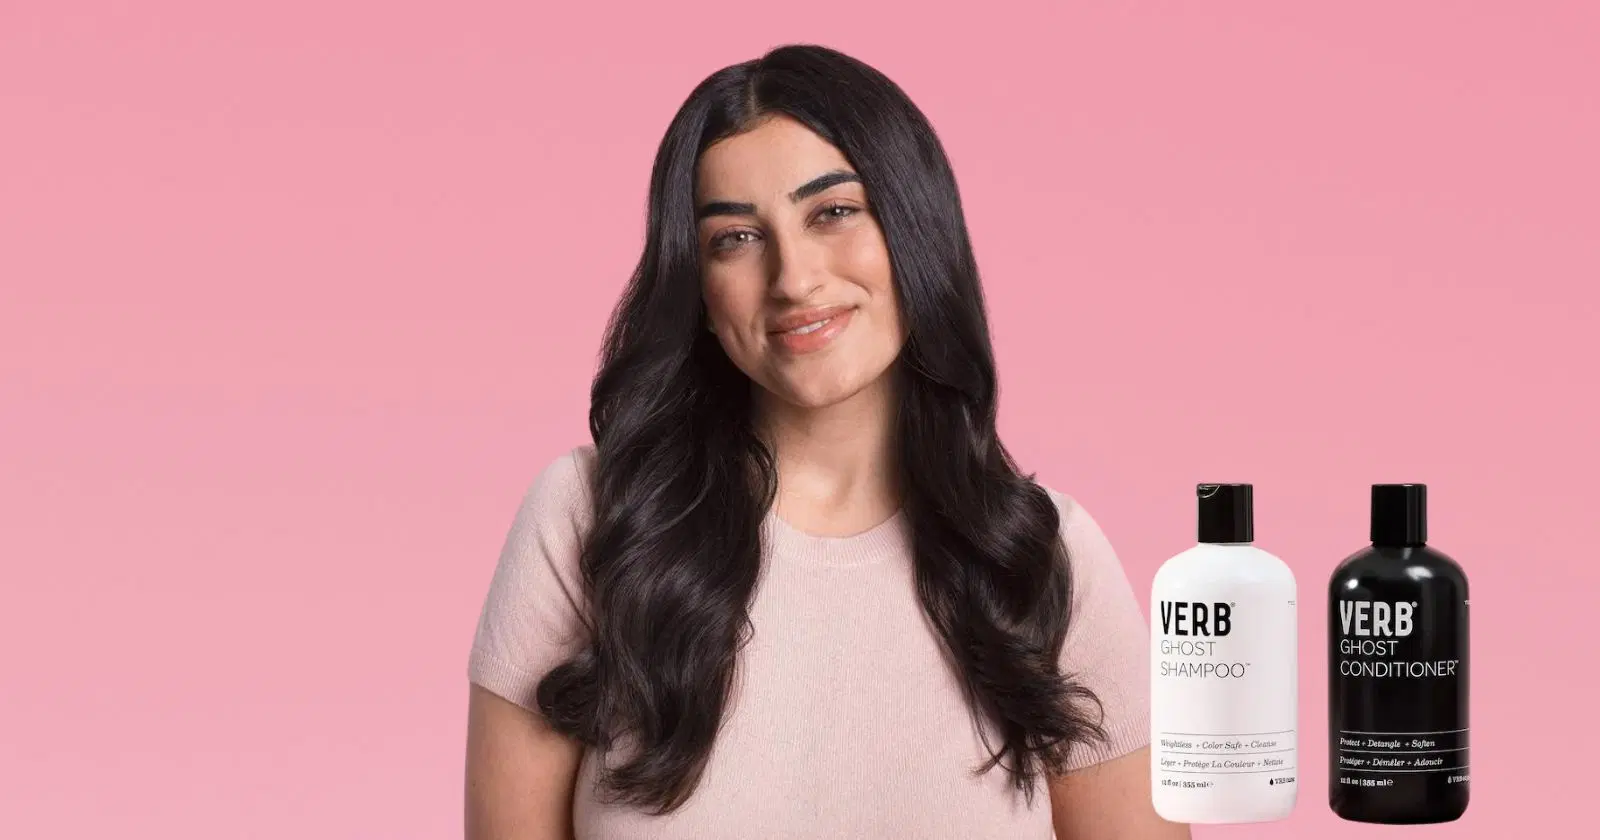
x,y
838,466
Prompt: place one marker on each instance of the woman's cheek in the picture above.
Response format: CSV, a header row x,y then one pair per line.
x,y
715,294
867,257
726,309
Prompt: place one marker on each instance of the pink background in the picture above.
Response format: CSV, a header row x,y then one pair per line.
x,y
298,299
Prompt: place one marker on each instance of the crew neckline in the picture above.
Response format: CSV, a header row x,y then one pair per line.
x,y
867,547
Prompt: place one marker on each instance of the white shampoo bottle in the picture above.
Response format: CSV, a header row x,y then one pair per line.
x,y
1223,671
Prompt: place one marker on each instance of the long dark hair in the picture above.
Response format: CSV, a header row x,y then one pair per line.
x,y
683,483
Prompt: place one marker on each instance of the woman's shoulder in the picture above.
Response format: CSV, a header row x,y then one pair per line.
x,y
560,490
532,615
570,470
1089,551
1074,516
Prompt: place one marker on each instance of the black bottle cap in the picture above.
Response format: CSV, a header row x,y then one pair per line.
x,y
1399,514
1227,513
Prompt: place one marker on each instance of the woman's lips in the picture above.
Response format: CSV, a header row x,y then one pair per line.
x,y
808,332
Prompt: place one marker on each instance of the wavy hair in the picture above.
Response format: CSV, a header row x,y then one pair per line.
x,y
683,483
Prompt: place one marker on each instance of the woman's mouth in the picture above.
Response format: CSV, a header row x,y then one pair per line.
x,y
812,330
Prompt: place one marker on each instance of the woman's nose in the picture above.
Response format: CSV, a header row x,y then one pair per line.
x,y
796,268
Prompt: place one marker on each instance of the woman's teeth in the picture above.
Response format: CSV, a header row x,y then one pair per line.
x,y
811,327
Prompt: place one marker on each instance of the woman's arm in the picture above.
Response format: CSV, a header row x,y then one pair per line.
x,y
1105,792
1110,801
520,773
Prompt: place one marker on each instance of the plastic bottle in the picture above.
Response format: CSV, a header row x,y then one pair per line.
x,y
1397,672
1224,746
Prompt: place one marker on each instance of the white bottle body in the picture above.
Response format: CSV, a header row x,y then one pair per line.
x,y
1224,700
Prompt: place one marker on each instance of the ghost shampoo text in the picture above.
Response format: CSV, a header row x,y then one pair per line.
x,y
1223,673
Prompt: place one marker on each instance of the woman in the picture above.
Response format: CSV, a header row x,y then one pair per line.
x,y
797,587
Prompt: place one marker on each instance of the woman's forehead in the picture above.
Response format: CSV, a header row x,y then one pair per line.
x,y
770,160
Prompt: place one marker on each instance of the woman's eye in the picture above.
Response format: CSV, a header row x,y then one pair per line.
x,y
836,212
730,240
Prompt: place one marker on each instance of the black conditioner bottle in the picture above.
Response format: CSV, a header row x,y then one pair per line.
x,y
1397,682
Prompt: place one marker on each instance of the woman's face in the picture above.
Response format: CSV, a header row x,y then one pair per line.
x,y
796,274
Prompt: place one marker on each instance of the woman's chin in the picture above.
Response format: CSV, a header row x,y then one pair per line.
x,y
815,393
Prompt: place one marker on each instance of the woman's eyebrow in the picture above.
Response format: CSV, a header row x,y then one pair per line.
x,y
725,208
822,182
801,193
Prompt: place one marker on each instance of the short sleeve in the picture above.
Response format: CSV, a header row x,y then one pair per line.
x,y
1108,643
533,616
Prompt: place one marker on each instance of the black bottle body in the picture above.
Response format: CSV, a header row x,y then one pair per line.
x,y
1398,687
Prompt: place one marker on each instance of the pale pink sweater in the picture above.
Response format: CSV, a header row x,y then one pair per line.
x,y
847,722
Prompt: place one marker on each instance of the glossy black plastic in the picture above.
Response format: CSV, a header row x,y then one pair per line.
x,y
1226,513
1415,726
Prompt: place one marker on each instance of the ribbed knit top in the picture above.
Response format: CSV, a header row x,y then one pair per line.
x,y
847,719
